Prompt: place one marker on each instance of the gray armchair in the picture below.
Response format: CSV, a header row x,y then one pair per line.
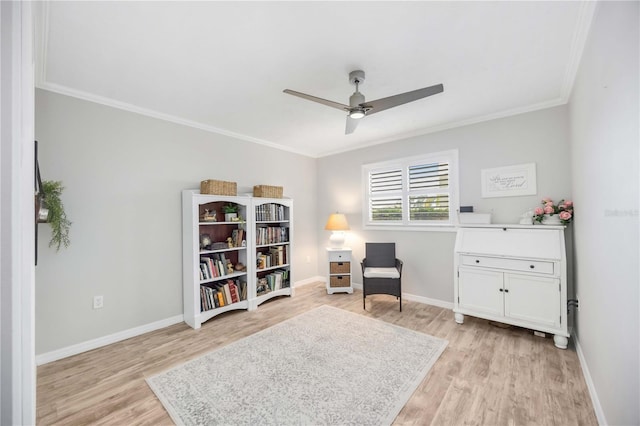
x,y
381,271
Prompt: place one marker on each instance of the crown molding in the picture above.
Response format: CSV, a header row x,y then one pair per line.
x,y
580,36
453,125
67,91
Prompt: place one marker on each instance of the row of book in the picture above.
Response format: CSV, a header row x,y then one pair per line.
x,y
221,294
213,266
276,256
272,235
274,281
237,235
270,212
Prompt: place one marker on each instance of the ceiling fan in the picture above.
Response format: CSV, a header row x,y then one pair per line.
x,y
358,108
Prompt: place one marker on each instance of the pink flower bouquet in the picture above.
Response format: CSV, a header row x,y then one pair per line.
x,y
564,209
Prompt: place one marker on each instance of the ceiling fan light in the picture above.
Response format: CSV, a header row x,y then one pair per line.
x,y
356,114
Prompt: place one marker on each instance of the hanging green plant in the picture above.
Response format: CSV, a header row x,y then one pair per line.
x,y
60,225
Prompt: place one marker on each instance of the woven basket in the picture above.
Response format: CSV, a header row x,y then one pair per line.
x,y
267,191
218,187
340,281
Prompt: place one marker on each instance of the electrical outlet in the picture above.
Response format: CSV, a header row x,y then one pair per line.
x,y
98,302
578,302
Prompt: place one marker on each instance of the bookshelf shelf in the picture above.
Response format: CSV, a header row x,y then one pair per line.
x,y
207,315
222,223
224,277
271,245
208,247
270,295
271,268
267,222
221,250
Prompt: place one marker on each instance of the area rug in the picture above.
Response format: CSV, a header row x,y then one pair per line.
x,y
324,367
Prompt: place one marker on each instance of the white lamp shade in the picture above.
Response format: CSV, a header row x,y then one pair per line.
x,y
337,222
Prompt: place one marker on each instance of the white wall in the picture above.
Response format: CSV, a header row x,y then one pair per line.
x,y
123,174
540,137
604,127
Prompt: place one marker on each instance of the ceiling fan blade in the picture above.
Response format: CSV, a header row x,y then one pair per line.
x,y
351,125
403,98
319,100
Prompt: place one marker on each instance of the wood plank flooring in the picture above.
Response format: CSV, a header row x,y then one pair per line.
x,y
487,375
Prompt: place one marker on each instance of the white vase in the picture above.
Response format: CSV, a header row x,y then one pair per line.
x,y
551,219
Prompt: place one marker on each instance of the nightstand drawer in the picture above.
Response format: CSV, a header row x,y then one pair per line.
x,y
339,255
340,281
538,266
340,268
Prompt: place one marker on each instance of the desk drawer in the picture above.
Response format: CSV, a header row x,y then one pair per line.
x,y
340,281
340,268
538,266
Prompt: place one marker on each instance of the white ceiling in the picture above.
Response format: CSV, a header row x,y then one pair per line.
x,y
222,66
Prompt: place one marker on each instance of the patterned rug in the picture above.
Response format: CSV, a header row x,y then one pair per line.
x,y
324,367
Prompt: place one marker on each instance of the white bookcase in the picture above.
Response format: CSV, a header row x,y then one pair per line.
x,y
513,274
272,227
195,227
260,240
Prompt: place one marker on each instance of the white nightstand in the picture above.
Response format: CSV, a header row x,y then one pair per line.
x,y
339,271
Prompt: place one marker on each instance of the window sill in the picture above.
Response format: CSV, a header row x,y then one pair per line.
x,y
427,228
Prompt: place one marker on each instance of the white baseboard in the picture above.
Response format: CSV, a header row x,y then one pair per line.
x,y
590,386
427,301
127,334
419,299
309,281
106,340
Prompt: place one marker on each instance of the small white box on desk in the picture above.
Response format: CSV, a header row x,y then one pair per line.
x,y
474,218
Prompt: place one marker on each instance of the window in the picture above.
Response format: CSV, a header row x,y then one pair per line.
x,y
416,191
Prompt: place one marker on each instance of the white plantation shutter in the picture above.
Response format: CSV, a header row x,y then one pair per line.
x,y
428,176
428,192
411,192
385,203
386,181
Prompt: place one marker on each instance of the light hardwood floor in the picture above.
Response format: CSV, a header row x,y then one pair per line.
x,y
487,374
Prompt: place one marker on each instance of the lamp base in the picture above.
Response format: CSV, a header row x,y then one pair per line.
x,y
336,240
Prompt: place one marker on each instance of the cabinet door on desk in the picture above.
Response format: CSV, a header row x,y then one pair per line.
x,y
479,291
533,299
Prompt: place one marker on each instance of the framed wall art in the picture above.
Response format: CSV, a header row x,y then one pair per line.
x,y
509,181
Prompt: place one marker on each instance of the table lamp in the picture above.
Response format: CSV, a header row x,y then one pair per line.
x,y
337,224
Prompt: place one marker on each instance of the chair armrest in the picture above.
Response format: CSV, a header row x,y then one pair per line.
x,y
363,264
399,264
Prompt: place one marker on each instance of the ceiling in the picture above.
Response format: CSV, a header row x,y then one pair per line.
x,y
222,66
